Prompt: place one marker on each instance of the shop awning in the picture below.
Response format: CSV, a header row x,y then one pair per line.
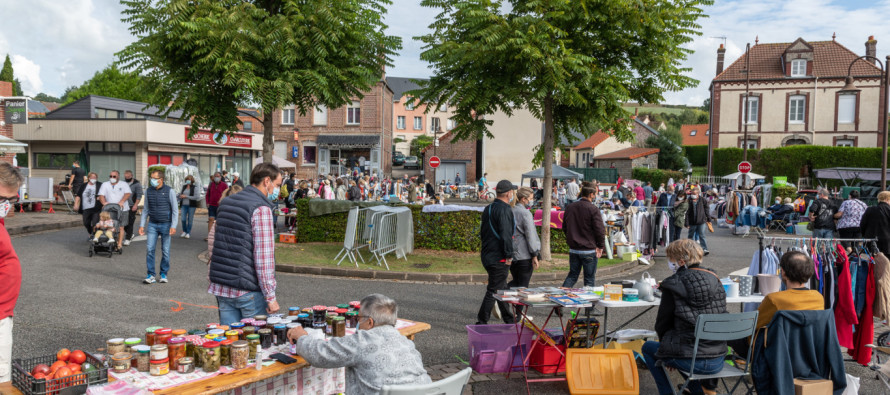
x,y
12,146
349,140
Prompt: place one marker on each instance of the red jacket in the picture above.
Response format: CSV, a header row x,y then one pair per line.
x,y
10,274
215,191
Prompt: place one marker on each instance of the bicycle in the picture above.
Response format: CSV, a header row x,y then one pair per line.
x,y
486,195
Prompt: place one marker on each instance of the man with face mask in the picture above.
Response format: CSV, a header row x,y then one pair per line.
x,y
214,192
498,226
136,188
10,267
118,193
161,211
242,265
697,218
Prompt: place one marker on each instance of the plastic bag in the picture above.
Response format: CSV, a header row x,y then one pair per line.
x,y
852,385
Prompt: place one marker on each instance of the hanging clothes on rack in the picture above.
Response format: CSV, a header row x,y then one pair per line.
x,y
844,312
882,287
865,330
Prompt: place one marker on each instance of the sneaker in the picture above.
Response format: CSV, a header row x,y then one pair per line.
x,y
182,235
149,280
126,242
163,279
95,240
188,236
707,252
111,240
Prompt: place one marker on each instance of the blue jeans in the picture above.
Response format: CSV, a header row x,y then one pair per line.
x,y
697,232
578,262
702,366
187,213
153,231
823,233
244,306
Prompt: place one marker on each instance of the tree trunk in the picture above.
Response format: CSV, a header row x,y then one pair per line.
x,y
548,177
268,140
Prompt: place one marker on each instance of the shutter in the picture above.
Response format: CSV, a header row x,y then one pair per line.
x,y
324,161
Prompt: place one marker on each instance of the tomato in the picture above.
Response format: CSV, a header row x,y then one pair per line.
x,y
62,372
63,354
77,357
39,376
75,367
56,365
41,368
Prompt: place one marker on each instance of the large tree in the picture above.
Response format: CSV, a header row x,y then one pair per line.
x,y
571,62
208,57
8,74
112,82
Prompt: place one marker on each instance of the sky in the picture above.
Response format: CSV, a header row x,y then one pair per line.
x,y
54,44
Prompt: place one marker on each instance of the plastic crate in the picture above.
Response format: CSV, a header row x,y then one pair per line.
x,y
72,385
493,348
548,359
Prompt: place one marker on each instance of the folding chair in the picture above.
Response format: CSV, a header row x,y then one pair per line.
x,y
451,385
720,327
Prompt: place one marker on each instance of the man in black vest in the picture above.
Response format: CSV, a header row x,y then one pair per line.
x,y
496,233
242,265
161,210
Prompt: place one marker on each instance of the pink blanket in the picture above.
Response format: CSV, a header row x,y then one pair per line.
x,y
555,218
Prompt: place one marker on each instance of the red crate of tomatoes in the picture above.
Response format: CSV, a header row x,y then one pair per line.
x,y
66,373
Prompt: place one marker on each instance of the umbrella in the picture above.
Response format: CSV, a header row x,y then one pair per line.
x,y
278,161
739,174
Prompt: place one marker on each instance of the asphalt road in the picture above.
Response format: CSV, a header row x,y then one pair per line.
x,y
71,300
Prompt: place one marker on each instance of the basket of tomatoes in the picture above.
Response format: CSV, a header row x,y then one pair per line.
x,y
66,373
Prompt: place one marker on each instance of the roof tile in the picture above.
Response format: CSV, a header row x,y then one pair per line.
x,y
701,135
629,153
831,59
593,141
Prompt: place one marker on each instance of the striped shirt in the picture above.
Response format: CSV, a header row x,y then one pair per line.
x,y
263,257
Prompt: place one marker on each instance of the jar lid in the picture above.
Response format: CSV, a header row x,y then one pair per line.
x,y
142,348
294,325
211,344
355,303
226,342
219,339
239,344
160,361
152,329
179,332
330,314
260,317
342,306
247,320
176,340
259,324
279,315
212,325
186,361
339,318
116,340
132,341
164,331
237,325
302,315
273,320
198,332
122,356
211,337
293,309
280,326
265,331
319,307
351,313
159,347
216,332
332,308
250,328
253,336
222,327
307,309
341,311
231,333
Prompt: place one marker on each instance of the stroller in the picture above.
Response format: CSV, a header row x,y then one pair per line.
x,y
104,246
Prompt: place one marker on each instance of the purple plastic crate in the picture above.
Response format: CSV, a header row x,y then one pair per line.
x,y
493,347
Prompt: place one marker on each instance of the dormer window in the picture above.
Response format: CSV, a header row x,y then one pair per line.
x,y
799,68
693,133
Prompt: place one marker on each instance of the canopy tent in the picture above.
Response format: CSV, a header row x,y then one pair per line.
x,y
559,173
12,146
849,173
739,174
278,161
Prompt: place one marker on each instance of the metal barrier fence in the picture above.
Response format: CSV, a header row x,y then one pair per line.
x,y
376,230
607,176
356,236
383,236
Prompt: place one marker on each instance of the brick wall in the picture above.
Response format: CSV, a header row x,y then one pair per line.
x,y
625,166
6,129
462,150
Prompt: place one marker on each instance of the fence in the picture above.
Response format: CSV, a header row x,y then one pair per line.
x,y
607,176
697,179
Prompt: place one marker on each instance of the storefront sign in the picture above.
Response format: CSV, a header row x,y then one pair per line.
x,y
295,152
16,111
219,138
780,181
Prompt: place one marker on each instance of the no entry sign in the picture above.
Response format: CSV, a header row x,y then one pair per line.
x,y
745,167
435,162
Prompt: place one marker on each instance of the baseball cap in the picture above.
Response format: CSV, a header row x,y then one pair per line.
x,y
505,186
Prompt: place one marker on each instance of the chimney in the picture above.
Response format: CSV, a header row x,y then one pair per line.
x,y
871,49
721,52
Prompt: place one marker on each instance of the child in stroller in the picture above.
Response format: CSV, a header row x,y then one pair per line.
x,y
109,225
105,227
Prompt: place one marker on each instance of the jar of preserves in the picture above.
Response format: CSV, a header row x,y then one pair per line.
x,y
179,332
223,327
142,357
160,367
150,335
339,327
304,320
259,325
120,362
239,354
240,333
130,342
293,311
211,357
341,312
318,314
219,338
185,365
355,305
217,332
249,330
199,355
159,352
163,335
114,346
270,324
280,334
260,317
343,306
331,309
211,325
232,335
307,310
225,352
237,325
253,340
352,319
265,338
176,350
329,322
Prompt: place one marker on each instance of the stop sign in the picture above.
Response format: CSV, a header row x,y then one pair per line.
x,y
745,167
435,162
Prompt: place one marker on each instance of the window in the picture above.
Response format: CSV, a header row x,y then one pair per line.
x,y
131,115
281,149
320,115
409,103
693,133
400,122
707,132
308,153
796,108
287,116
353,113
846,109
401,137
451,124
443,107
435,123
54,161
752,144
795,142
845,143
799,68
112,147
753,105
248,125
418,123
109,114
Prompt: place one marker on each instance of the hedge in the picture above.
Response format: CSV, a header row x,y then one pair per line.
x,y
697,154
656,176
795,161
455,230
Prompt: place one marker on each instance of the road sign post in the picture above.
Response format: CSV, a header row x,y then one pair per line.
x,y
435,162
745,167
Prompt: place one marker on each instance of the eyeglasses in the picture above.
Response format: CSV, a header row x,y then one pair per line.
x,y
10,199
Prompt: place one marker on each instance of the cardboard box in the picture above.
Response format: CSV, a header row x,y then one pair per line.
x,y
630,256
287,238
813,387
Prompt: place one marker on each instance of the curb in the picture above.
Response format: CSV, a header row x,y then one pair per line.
x,y
25,229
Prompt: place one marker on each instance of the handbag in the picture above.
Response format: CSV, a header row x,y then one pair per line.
x,y
710,227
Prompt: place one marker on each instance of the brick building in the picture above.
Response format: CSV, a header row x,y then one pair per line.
x,y
627,159
249,121
457,156
5,129
338,140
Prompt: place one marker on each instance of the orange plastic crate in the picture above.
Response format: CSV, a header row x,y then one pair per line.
x,y
287,238
603,372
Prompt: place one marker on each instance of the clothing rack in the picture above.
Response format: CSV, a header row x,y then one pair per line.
x,y
760,239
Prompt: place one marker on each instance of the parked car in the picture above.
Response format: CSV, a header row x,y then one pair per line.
x,y
398,158
411,162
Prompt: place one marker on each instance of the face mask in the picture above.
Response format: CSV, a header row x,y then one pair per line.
x,y
674,266
216,179
129,179
92,180
274,195
681,199
155,183
113,180
187,182
694,197
778,201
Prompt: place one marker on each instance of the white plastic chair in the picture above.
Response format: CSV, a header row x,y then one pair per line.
x,y
451,385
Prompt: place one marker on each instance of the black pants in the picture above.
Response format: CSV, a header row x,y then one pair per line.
x,y
497,280
521,272
129,227
91,218
849,233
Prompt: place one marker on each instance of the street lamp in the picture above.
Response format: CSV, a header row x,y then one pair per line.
x,y
850,87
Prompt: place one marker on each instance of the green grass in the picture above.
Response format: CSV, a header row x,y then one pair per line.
x,y
426,261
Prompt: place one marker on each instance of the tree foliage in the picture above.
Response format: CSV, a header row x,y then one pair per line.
x,y
112,82
572,63
45,97
8,74
671,155
208,57
419,143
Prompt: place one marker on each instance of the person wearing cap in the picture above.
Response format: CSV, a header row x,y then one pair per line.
x,y
586,236
236,179
498,226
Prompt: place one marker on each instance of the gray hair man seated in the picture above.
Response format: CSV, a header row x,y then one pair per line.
x,y
376,355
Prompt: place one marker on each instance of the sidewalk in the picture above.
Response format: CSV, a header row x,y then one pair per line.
x,y
31,222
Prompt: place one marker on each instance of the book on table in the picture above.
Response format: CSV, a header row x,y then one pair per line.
x,y
567,301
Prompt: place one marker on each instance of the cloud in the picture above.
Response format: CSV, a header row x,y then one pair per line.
x,y
28,73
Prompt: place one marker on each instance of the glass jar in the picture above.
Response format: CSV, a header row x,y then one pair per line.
x,y
232,335
189,349
120,362
339,327
217,332
114,346
239,354
225,352
199,355
185,365
179,332
352,319
211,325
280,334
253,340
293,311
237,325
260,317
159,352
240,333
318,314
142,359
270,324
329,322
266,338
341,312
355,305
304,320
163,335
249,330
259,325
209,336
129,343
160,367
176,349
211,357
150,335
223,327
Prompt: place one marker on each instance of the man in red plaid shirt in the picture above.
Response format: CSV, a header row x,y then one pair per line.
x,y
242,263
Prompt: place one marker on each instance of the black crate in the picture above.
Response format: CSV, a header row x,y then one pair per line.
x,y
75,384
